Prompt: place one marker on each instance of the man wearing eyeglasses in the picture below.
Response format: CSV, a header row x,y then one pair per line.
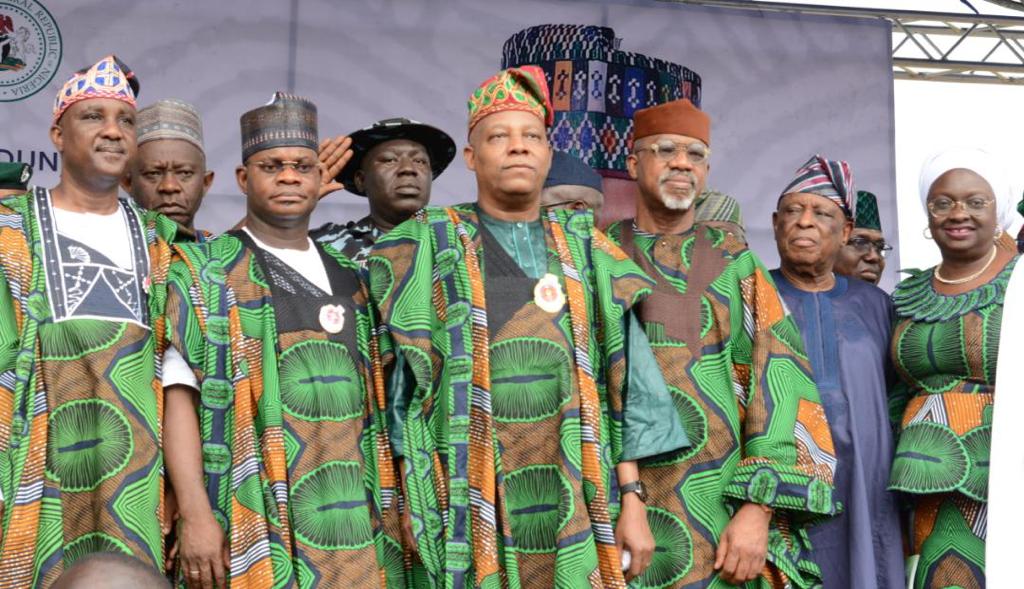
x,y
761,462
863,256
845,326
572,184
269,441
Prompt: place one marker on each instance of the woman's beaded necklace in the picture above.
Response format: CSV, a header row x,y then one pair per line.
x,y
966,279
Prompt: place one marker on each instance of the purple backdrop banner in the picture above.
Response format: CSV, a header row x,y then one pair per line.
x,y
779,88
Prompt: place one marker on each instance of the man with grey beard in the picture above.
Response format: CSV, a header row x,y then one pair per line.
x,y
734,362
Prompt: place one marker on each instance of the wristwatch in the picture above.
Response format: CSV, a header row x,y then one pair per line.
x,y
637,487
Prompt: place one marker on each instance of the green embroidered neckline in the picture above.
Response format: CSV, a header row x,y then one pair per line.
x,y
915,298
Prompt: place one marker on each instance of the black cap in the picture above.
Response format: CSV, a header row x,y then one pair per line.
x,y
286,121
439,145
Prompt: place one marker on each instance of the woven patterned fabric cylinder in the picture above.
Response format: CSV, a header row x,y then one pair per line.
x,y
596,88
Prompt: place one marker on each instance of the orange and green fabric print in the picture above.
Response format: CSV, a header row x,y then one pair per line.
x,y
944,349
743,390
80,403
514,423
296,460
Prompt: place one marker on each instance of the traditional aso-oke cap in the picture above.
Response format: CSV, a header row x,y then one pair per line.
x,y
169,119
518,88
831,179
568,170
717,206
679,117
286,121
107,78
867,216
15,175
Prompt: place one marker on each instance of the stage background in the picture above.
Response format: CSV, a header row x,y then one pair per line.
x,y
779,88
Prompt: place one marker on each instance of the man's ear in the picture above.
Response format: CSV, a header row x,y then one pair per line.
x,y
242,177
207,181
57,137
631,166
470,156
359,179
847,230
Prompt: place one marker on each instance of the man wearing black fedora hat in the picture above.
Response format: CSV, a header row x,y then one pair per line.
x,y
393,164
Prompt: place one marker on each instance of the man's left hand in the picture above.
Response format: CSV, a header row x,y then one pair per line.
x,y
334,153
633,534
744,543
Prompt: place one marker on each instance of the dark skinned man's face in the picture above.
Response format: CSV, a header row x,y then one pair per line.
x,y
572,197
282,185
867,265
510,154
667,186
809,230
169,176
96,138
396,178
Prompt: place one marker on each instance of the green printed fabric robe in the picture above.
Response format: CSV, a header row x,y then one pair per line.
x,y
734,361
80,398
512,431
292,433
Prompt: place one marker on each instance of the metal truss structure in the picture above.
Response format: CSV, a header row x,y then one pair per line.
x,y
937,46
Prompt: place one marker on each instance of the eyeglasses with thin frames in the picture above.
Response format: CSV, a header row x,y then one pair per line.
x,y
275,167
943,206
666,151
863,246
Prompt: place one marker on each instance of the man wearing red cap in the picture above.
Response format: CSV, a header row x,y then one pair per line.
x,y
82,283
761,459
524,390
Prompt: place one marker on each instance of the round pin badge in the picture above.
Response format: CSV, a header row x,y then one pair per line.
x,y
332,318
548,294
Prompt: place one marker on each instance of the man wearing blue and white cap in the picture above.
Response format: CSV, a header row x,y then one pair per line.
x,y
394,163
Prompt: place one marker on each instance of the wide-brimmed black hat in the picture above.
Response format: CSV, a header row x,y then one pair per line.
x,y
439,145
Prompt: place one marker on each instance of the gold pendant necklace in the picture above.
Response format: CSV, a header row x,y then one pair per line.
x,y
965,279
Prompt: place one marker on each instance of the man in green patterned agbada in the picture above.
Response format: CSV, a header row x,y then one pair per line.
x,y
761,462
523,389
82,282
273,428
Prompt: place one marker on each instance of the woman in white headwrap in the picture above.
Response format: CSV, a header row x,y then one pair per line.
x,y
944,348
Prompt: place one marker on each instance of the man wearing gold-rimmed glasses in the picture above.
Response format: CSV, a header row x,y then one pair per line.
x,y
761,454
